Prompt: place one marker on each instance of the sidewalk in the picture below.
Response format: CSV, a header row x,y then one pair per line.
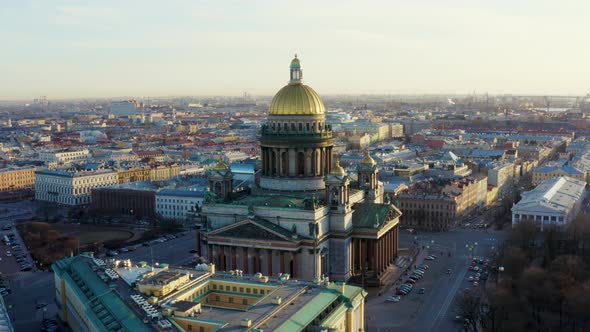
x,y
394,274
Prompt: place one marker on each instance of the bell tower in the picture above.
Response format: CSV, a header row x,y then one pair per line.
x,y
338,189
368,178
220,181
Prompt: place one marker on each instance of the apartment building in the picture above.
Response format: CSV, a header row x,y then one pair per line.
x,y
178,204
17,178
548,172
435,205
71,187
55,158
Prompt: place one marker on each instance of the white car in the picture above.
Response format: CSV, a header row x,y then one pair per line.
x,y
394,298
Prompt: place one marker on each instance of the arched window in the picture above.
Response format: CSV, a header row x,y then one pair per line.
x,y
300,126
334,196
285,127
307,126
293,127
300,163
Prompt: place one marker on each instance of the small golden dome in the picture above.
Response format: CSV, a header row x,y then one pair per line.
x,y
221,165
368,159
337,169
295,61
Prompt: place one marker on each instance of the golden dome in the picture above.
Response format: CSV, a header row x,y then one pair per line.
x,y
337,169
221,165
296,98
368,159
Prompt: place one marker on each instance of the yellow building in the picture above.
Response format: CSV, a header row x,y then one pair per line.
x,y
548,172
164,172
161,283
469,192
492,195
126,175
429,206
16,178
94,296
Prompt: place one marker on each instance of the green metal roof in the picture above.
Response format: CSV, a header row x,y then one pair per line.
x,y
103,307
366,215
304,316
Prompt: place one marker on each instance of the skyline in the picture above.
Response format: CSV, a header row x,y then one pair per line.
x,y
105,49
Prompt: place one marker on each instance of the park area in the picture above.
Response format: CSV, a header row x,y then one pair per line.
x,y
50,242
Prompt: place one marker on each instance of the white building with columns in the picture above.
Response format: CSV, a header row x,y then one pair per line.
x,y
71,187
66,157
555,201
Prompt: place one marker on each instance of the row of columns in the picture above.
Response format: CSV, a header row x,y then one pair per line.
x,y
375,254
288,162
252,260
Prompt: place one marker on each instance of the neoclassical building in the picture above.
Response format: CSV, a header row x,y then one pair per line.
x,y
306,217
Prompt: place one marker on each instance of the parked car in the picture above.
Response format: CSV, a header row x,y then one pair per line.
x,y
394,298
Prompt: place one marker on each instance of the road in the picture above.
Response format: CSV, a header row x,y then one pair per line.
x,y
434,310
173,252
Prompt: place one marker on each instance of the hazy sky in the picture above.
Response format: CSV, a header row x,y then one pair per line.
x,y
70,49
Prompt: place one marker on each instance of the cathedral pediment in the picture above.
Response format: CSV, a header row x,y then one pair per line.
x,y
255,229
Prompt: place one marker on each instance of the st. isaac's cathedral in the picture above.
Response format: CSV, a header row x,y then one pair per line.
x,y
304,216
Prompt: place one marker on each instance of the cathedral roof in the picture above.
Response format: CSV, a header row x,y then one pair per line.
x,y
373,215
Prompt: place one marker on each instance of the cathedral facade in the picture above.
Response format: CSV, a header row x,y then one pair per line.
x,y
305,216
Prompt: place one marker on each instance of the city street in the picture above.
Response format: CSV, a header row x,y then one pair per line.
x,y
173,252
433,310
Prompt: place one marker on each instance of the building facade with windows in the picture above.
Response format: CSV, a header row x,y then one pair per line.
x,y
430,205
52,159
548,172
71,187
17,178
179,204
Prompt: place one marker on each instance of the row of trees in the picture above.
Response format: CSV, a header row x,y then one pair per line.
x,y
541,282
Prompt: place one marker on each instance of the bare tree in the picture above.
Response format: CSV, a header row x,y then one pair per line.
x,y
469,306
